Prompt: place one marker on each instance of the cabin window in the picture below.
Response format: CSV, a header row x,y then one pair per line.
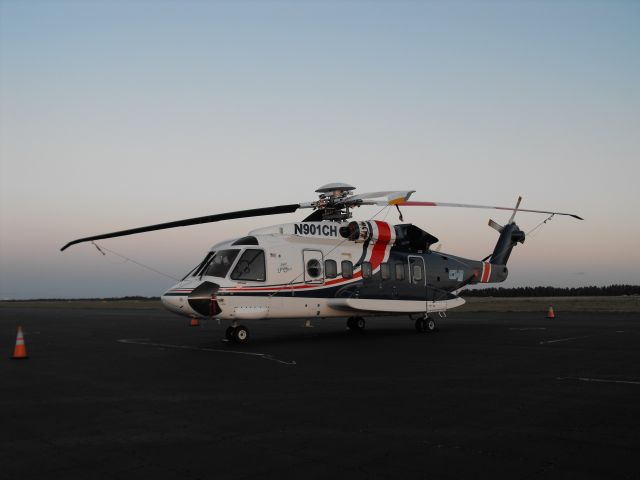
x,y
250,266
385,271
330,269
417,273
399,271
347,269
314,269
366,270
220,263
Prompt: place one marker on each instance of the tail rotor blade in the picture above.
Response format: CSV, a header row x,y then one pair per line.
x,y
496,226
513,215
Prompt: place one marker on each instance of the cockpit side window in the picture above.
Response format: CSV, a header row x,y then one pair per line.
x,y
220,263
194,272
250,266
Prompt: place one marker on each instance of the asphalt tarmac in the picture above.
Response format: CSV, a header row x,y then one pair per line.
x,y
137,393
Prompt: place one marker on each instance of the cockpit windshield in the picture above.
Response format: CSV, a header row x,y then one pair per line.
x,y
220,263
195,271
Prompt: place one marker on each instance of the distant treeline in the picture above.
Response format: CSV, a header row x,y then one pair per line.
x,y
593,291
97,299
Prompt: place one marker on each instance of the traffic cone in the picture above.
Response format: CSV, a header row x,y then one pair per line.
x,y
551,313
307,324
194,322
20,351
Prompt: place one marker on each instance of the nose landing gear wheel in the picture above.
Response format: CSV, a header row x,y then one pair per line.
x,y
241,334
356,324
237,334
427,324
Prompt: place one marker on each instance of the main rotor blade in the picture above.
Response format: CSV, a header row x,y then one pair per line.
x,y
256,212
465,205
390,195
390,198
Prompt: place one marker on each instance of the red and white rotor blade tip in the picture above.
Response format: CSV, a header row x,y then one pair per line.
x,y
385,198
487,207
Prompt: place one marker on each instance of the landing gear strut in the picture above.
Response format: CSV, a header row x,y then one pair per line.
x,y
356,324
237,334
228,334
426,324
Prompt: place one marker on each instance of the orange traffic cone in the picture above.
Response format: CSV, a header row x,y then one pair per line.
x,y
21,350
551,313
194,322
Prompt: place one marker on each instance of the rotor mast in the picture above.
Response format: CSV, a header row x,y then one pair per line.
x,y
332,201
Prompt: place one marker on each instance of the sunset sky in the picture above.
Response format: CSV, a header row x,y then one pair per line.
x,y
115,115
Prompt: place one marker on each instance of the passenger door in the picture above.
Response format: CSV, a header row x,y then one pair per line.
x,y
418,278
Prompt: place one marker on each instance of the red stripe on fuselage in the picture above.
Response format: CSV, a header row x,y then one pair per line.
x,y
486,272
380,247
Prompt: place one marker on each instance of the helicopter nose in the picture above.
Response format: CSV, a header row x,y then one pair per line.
x,y
203,299
175,301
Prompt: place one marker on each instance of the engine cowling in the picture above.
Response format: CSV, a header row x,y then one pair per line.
x,y
356,231
368,231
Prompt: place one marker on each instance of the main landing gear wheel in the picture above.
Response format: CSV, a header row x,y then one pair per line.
x,y
427,324
356,324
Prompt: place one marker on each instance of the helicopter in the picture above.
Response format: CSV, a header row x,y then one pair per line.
x,y
329,265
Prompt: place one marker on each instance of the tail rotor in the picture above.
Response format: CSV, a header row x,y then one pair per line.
x,y
510,236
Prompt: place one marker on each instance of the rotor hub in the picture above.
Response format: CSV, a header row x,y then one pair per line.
x,y
331,201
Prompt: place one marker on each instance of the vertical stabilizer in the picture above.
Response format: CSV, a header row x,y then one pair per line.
x,y
509,237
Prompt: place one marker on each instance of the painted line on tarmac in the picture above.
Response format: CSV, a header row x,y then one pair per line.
x,y
544,342
144,341
599,380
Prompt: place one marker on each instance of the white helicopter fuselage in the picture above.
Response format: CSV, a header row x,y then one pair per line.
x,y
309,271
